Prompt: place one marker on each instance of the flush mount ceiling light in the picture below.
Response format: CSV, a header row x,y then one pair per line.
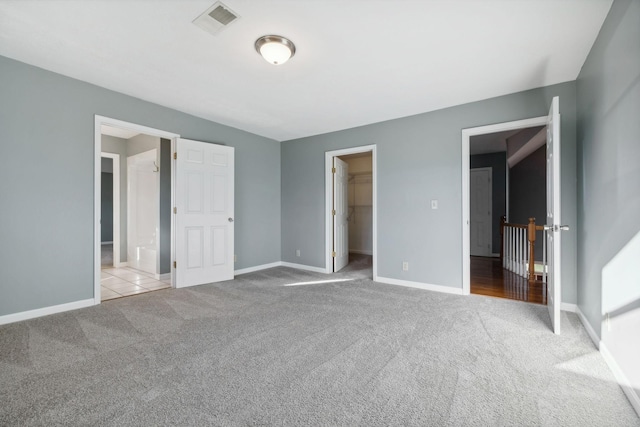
x,y
275,49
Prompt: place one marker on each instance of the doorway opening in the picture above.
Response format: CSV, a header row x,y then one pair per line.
x,y
350,188
504,186
507,193
134,192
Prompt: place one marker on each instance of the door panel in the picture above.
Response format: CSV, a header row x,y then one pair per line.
x,y
205,211
480,211
553,215
340,218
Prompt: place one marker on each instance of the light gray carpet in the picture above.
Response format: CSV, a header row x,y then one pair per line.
x,y
254,351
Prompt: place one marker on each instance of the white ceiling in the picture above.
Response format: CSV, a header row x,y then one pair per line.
x,y
357,61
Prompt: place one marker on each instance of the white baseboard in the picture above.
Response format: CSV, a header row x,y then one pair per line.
x,y
566,306
495,255
120,264
257,268
45,311
419,285
304,267
163,276
358,251
592,333
106,243
622,379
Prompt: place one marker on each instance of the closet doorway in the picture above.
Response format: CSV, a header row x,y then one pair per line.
x,y
351,231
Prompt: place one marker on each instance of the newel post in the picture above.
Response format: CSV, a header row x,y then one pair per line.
x,y
503,220
532,242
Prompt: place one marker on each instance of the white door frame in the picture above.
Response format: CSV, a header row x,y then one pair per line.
x,y
466,138
97,167
328,185
115,158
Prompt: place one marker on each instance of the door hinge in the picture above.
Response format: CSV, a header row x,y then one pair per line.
x,y
333,170
175,210
333,212
175,264
175,156
333,254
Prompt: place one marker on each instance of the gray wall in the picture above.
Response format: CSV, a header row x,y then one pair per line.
x,y
45,119
106,196
111,144
419,159
609,186
528,193
498,164
107,164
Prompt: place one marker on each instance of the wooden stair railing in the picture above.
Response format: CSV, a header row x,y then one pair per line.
x,y
519,242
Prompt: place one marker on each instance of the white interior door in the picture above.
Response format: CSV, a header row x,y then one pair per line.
x,y
480,211
204,213
553,214
142,211
340,214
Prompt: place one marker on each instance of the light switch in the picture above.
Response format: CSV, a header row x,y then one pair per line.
x,y
434,204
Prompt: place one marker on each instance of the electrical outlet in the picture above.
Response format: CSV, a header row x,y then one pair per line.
x,y
405,266
235,258
434,204
297,252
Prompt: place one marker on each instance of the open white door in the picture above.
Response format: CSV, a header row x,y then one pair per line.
x,y
143,199
204,213
553,226
340,214
480,211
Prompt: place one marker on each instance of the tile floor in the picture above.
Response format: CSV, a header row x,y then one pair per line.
x,y
125,281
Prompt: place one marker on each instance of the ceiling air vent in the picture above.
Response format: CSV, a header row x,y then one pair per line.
x,y
216,18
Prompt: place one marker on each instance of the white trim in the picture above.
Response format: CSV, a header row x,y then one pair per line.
x,y
466,137
174,163
45,311
493,255
163,276
587,326
566,306
622,379
257,268
329,155
107,243
122,264
97,168
303,267
116,204
419,285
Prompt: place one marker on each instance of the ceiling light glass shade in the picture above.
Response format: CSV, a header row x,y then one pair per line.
x,y
275,49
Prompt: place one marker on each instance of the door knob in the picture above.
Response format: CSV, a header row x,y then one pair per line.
x,y
560,228
230,219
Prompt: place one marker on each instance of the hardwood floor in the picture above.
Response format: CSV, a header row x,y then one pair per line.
x,y
489,278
